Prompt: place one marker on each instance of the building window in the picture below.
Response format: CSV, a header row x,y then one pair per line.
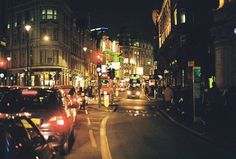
x,y
182,17
49,14
55,34
55,15
56,57
43,56
32,16
182,40
175,17
8,26
43,14
23,20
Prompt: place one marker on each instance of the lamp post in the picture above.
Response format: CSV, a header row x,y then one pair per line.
x,y
8,66
27,75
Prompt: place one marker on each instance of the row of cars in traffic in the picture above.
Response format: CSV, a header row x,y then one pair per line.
x,y
37,122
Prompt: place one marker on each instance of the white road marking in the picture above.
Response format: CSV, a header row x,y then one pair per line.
x,y
86,112
92,138
89,122
105,151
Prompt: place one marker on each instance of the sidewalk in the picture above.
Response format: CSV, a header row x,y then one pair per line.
x,y
222,134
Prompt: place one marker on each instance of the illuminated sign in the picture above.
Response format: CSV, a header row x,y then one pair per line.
x,y
104,68
115,65
139,70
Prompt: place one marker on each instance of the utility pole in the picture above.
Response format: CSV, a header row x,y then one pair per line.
x,y
99,90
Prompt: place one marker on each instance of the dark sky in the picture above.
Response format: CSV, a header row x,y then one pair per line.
x,y
114,14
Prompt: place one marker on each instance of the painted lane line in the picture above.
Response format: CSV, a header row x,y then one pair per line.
x,y
92,138
105,151
86,112
89,122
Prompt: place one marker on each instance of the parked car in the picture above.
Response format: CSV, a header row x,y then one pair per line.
x,y
21,139
134,92
47,109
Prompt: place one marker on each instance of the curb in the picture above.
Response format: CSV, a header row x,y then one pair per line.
x,y
181,125
178,123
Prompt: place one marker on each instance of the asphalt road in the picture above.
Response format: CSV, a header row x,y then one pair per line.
x,y
137,130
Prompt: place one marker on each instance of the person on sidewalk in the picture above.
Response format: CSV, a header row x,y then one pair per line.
x,y
168,96
215,101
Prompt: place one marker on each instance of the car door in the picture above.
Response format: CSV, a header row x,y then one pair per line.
x,y
40,145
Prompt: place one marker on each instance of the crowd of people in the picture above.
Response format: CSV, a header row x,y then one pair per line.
x,y
215,103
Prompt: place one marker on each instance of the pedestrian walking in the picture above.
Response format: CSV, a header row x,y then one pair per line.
x,y
168,96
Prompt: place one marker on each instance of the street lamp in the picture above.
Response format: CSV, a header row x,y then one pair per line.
x,y
46,38
27,77
85,49
28,27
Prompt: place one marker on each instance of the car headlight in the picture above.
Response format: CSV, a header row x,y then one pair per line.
x,y
138,93
129,92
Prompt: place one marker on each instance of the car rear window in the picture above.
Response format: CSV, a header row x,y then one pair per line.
x,y
23,100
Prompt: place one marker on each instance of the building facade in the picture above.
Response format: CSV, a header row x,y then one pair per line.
x,y
41,55
184,40
137,56
224,36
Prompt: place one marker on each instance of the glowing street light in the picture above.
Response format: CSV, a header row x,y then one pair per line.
x,y
8,58
85,49
28,27
46,38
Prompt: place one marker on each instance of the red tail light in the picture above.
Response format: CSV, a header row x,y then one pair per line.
x,y
58,120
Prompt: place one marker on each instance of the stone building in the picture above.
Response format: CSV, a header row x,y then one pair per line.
x,y
44,54
224,36
184,40
137,56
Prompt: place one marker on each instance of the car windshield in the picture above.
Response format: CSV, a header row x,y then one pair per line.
x,y
21,100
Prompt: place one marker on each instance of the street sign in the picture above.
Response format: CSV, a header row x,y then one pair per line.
x,y
190,63
106,100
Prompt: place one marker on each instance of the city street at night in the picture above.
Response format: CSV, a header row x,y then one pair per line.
x,y
137,130
121,79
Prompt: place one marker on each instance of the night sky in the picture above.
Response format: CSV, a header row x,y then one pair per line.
x,y
136,15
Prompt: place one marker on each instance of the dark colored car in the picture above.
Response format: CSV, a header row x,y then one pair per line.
x,y
21,139
47,109
134,92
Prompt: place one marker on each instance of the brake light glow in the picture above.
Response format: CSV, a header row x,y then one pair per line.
x,y
29,92
59,120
